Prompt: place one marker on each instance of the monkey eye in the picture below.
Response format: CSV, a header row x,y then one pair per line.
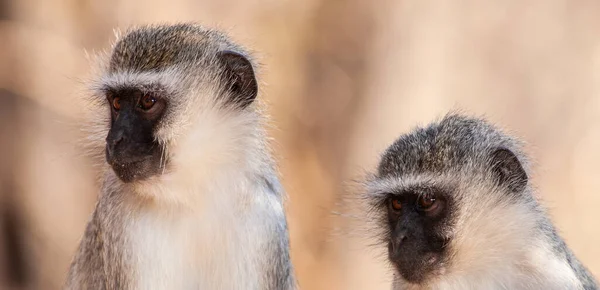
x,y
116,103
396,204
147,102
427,202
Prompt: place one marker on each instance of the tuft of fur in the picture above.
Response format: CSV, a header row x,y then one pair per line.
x,y
214,219
498,240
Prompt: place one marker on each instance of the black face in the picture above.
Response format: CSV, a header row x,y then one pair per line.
x,y
417,218
131,149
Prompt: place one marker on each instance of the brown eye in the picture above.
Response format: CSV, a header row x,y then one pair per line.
x,y
116,103
426,202
147,102
396,204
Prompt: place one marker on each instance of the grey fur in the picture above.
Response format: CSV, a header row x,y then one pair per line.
x,y
180,61
100,259
158,47
455,153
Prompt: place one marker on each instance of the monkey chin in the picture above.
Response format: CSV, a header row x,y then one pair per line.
x,y
419,272
133,171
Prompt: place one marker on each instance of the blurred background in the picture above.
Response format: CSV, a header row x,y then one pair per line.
x,y
343,79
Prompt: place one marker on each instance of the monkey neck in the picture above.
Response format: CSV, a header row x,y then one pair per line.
x,y
171,231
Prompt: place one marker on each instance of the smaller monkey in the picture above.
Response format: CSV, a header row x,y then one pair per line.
x,y
454,205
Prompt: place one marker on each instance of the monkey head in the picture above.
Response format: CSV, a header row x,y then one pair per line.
x,y
445,198
163,82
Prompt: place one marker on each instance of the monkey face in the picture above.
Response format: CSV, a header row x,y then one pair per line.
x,y
175,93
416,218
446,197
131,148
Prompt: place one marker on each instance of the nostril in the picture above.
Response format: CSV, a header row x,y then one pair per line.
x,y
113,139
116,140
401,237
397,242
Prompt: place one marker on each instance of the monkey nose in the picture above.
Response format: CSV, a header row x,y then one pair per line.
x,y
400,238
111,143
114,140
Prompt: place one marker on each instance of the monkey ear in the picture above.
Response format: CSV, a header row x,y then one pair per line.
x,y
239,78
508,170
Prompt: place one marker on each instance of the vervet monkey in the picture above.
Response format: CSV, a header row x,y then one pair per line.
x,y
190,196
456,209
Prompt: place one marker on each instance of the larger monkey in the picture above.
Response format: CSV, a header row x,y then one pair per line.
x,y
190,196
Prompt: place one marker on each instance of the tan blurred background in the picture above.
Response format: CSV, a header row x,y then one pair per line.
x,y
343,78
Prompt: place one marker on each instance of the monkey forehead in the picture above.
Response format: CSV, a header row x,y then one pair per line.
x,y
451,144
153,48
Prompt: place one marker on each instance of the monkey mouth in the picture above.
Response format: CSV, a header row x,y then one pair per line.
x,y
430,258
